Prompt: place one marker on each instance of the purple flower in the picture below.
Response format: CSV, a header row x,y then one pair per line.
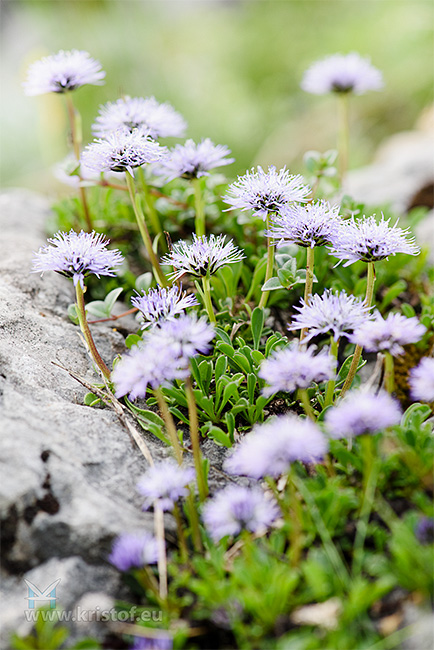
x,y
134,551
270,448
152,643
187,336
360,413
61,72
202,257
342,73
77,255
122,151
388,335
165,483
331,313
308,225
424,530
365,239
129,113
266,192
422,380
293,367
236,508
162,304
192,160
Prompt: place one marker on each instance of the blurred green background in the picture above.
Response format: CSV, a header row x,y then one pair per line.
x,y
232,68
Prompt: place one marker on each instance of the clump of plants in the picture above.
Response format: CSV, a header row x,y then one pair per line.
x,y
257,302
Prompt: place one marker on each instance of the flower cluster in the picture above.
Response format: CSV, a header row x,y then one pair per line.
x,y
203,257
368,240
361,412
388,334
153,643
236,508
129,113
308,225
77,255
294,367
342,73
161,304
422,380
62,72
192,160
164,484
266,192
270,448
134,550
332,313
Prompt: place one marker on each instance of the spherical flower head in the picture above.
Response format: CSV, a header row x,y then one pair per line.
x,y
134,550
342,73
361,412
332,313
152,643
161,304
424,530
294,367
148,365
422,380
187,336
266,192
191,160
129,113
308,225
122,151
270,448
236,508
365,239
202,257
77,255
165,482
388,334
61,72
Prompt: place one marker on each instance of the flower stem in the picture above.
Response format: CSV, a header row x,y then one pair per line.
x,y
194,522
310,264
170,424
358,351
331,383
180,529
150,208
344,134
199,207
84,326
135,200
162,560
389,373
76,143
207,298
270,265
307,406
194,436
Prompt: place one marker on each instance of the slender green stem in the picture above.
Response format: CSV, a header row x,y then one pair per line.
x,y
389,373
344,134
147,580
296,539
199,208
194,436
358,351
194,522
307,406
270,265
332,382
308,287
135,200
180,529
150,207
84,326
76,139
206,285
161,544
170,424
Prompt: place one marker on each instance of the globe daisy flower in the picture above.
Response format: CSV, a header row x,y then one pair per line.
x,y
342,73
308,225
161,304
165,482
62,72
365,239
266,192
77,255
191,160
422,380
236,508
360,413
388,334
332,313
188,334
129,113
270,448
134,551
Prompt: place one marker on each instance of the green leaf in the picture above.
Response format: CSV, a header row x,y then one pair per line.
x,y
408,310
242,361
97,309
219,436
86,644
345,368
272,284
257,325
144,281
223,336
91,400
111,298
220,367
132,340
393,292
226,349
251,387
72,314
416,414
